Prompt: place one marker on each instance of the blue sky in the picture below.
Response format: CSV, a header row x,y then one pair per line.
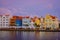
x,y
30,7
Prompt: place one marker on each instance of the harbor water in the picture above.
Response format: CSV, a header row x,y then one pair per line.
x,y
30,35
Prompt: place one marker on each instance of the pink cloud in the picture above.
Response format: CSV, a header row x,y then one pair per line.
x,y
4,11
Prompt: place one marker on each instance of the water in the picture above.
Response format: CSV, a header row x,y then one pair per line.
x,y
20,35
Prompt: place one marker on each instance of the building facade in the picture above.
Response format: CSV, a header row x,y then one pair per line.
x,y
4,20
37,22
16,21
51,22
26,22
42,22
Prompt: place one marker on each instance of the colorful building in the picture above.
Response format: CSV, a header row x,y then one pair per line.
x,y
16,21
32,23
12,22
26,22
37,22
4,20
55,24
42,22
51,22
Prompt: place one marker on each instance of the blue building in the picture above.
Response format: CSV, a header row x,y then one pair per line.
x,y
18,23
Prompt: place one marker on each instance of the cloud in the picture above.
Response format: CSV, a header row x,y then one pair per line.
x,y
4,11
18,11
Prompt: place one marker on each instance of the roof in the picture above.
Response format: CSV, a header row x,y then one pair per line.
x,y
27,16
53,17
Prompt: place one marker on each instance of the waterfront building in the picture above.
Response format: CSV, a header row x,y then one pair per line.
x,y
55,23
32,23
16,21
51,22
26,22
37,22
4,20
12,21
41,22
48,21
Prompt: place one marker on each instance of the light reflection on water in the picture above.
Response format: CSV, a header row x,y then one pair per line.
x,y
20,35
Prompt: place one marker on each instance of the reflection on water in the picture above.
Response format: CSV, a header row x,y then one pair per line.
x,y
19,35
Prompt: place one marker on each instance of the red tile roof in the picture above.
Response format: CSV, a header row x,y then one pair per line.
x,y
53,17
27,16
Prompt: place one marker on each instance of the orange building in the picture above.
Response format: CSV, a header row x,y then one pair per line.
x,y
13,20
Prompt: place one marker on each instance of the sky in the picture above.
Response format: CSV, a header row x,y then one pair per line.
x,y
30,7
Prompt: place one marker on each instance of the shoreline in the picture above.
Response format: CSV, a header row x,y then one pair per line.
x,y
22,29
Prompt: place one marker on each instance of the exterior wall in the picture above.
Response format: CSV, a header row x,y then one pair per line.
x,y
16,21
51,22
4,21
56,23
48,21
26,22
12,22
37,21
42,22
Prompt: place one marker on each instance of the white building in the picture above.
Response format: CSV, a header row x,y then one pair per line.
x,y
4,20
41,22
26,22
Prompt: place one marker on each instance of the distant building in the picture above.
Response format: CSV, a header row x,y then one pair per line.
x,y
37,22
16,21
32,23
4,20
12,22
51,22
26,22
48,21
42,22
19,21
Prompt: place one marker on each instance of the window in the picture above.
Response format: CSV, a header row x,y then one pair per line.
x,y
7,16
6,22
6,19
3,17
3,24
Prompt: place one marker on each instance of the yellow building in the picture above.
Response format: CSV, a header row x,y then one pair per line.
x,y
37,22
51,22
47,21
